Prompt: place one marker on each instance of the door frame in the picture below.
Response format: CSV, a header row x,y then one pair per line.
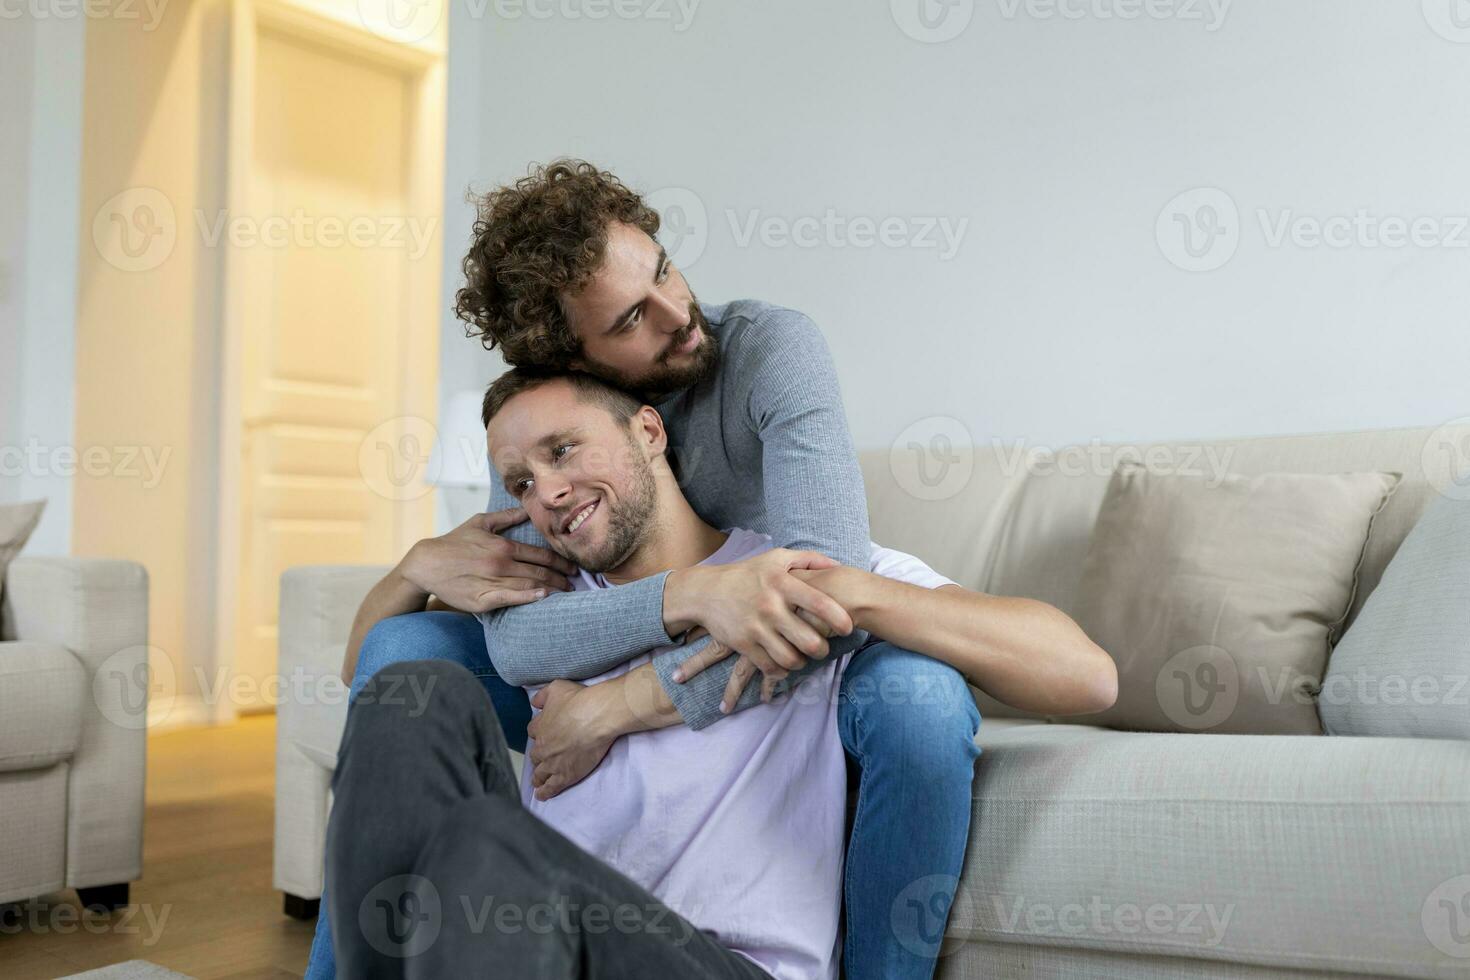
x,y
422,63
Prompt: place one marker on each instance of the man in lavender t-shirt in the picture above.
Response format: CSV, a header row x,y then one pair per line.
x,y
639,847
668,807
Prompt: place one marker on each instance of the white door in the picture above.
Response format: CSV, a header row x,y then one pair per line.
x,y
333,329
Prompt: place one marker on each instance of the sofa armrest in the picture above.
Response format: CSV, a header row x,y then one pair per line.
x,y
98,610
318,604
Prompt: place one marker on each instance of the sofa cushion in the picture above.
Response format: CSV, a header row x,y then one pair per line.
x,y
1306,853
1404,667
41,690
1219,598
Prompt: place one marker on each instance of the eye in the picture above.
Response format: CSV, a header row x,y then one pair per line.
x,y
633,320
520,487
560,452
663,270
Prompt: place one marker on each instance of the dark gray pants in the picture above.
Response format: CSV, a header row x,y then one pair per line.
x,y
435,870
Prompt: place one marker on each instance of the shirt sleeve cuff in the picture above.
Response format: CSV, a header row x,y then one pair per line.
x,y
645,607
698,699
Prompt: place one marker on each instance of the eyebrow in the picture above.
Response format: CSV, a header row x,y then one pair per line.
x,y
663,257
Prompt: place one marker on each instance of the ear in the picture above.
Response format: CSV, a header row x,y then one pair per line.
x,y
648,428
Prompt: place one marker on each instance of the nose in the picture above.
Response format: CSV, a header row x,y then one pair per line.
x,y
552,491
672,314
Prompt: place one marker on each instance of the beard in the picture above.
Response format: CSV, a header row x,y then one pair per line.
x,y
628,522
663,379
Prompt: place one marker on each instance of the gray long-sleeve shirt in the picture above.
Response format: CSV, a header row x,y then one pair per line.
x,y
761,444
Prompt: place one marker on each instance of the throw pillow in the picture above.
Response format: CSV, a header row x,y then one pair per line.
x,y
1220,601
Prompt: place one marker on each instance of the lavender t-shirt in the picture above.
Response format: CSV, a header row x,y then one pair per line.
x,y
738,827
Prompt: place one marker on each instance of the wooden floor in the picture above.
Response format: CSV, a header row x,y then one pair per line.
x,y
205,906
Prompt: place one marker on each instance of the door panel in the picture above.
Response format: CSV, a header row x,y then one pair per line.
x,y
322,321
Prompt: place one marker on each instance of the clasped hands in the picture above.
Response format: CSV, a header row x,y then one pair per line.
x,y
773,612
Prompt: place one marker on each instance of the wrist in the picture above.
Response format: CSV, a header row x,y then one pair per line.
x,y
406,572
636,702
682,588
861,595
610,715
405,579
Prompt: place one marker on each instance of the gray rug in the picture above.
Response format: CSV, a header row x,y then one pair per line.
x,y
131,970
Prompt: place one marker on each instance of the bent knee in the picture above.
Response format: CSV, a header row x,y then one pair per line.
x,y
483,840
392,640
413,687
916,712
916,690
420,636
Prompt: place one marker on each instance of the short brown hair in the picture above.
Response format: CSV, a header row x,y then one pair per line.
x,y
533,241
617,402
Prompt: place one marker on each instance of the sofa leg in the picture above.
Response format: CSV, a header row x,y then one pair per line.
x,y
104,898
302,908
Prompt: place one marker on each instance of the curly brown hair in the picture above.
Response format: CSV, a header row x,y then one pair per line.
x,y
534,241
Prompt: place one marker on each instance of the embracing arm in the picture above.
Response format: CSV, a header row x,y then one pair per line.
x,y
1025,653
473,568
811,484
576,724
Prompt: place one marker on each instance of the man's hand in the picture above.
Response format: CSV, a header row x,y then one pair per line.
x,y
474,569
755,607
569,736
744,669
837,581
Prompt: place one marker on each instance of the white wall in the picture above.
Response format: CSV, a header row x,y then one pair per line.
x,y
41,67
463,364
1059,140
15,76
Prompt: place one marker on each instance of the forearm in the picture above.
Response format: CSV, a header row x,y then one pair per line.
x,y
698,697
576,635
698,701
634,702
1025,653
394,595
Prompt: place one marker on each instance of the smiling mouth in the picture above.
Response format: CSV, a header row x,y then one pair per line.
x,y
579,518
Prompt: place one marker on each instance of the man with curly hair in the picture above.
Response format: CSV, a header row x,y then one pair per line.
x,y
644,820
565,273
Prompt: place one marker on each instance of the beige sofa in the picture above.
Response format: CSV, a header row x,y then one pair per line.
x,y
73,715
1099,853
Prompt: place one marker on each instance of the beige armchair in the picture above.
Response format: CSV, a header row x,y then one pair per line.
x,y
73,718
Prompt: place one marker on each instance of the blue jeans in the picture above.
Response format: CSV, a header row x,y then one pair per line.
x,y
908,724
